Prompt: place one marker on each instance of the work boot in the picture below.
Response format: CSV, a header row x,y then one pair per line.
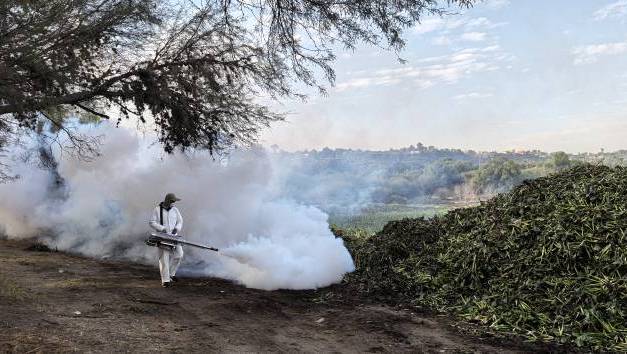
x,y
166,284
174,279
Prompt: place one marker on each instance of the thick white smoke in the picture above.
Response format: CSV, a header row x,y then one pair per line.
x,y
102,208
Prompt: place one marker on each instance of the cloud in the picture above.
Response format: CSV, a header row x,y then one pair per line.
x,y
442,40
591,53
449,23
497,4
613,10
366,82
472,95
452,30
483,23
474,36
431,71
429,25
449,68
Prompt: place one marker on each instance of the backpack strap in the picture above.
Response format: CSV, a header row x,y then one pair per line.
x,y
161,214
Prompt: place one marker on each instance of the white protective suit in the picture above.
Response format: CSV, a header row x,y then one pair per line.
x,y
169,261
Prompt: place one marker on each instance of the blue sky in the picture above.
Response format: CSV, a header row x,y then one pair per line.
x,y
549,75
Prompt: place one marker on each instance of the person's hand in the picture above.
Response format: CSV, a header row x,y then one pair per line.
x,y
174,231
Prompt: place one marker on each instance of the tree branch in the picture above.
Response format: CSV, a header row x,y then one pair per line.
x,y
101,115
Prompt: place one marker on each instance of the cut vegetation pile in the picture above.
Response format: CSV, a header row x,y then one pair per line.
x,y
547,260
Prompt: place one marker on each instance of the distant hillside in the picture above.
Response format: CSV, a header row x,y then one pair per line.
x,y
345,180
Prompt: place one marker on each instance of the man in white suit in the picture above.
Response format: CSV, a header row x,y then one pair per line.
x,y
167,218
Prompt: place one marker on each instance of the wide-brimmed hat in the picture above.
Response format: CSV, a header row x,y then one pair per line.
x,y
171,198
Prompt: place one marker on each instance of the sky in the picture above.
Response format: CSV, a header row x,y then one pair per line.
x,y
503,75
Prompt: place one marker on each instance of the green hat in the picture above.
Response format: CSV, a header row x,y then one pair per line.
x,y
171,198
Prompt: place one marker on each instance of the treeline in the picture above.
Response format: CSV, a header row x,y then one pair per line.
x,y
345,178
450,179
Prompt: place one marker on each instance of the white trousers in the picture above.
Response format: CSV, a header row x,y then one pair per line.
x,y
169,262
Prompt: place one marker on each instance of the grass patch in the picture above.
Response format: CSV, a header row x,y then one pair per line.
x,y
10,290
372,218
75,284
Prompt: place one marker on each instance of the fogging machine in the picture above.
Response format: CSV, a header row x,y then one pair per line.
x,y
169,242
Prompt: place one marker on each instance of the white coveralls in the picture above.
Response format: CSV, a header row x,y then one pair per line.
x,y
169,261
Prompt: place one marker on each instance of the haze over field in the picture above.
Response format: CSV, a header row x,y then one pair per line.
x,y
101,209
502,75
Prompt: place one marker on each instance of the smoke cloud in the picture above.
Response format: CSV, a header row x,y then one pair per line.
x,y
101,209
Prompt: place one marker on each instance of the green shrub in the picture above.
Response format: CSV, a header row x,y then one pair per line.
x,y
547,260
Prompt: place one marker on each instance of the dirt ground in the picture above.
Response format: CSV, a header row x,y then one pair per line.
x,y
56,302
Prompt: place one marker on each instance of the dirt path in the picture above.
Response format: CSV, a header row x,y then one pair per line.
x,y
54,302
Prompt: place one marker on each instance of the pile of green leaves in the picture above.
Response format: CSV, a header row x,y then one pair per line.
x,y
547,260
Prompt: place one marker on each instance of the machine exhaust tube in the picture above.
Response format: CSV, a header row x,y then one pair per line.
x,y
167,241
